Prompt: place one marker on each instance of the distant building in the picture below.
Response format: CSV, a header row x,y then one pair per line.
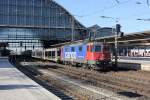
x,y
98,31
34,24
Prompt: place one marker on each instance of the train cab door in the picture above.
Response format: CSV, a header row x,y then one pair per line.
x,y
106,52
88,54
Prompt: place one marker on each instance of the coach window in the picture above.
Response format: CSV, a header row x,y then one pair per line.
x,y
80,49
53,54
72,49
50,54
66,49
45,54
58,53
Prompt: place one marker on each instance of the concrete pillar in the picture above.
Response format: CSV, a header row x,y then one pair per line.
x,y
127,52
56,55
44,54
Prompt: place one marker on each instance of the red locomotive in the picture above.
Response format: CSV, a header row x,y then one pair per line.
x,y
93,55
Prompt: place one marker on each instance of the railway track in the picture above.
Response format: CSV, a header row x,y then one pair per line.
x,y
64,88
83,94
112,81
116,81
53,85
107,81
131,76
37,76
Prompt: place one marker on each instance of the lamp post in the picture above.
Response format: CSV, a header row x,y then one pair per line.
x,y
73,26
21,44
72,29
118,27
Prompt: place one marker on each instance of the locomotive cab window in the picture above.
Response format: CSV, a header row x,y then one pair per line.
x,y
97,48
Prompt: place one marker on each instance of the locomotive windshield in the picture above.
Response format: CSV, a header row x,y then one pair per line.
x,y
96,48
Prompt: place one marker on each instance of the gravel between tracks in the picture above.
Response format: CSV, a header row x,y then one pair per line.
x,y
97,92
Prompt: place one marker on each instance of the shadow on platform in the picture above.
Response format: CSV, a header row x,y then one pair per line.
x,y
3,67
15,86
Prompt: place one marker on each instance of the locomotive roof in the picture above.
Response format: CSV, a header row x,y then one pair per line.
x,y
51,49
79,42
62,44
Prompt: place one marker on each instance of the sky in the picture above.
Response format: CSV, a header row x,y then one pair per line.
x,y
89,13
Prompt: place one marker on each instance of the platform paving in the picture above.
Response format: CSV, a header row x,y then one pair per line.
x,y
14,85
138,63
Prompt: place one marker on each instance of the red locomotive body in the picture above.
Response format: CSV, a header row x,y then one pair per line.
x,y
98,54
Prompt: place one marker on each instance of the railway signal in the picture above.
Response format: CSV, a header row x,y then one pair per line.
x,y
118,31
118,28
121,34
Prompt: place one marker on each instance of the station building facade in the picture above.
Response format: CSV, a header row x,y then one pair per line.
x,y
96,31
34,24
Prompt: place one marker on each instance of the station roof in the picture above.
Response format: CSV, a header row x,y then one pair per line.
x,y
61,44
136,38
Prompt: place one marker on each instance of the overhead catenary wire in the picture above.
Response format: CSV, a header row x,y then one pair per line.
x,y
117,1
140,13
147,1
139,2
105,8
112,6
108,8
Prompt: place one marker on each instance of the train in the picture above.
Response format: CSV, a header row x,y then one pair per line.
x,y
93,55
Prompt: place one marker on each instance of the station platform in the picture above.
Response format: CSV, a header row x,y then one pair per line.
x,y
134,63
14,85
